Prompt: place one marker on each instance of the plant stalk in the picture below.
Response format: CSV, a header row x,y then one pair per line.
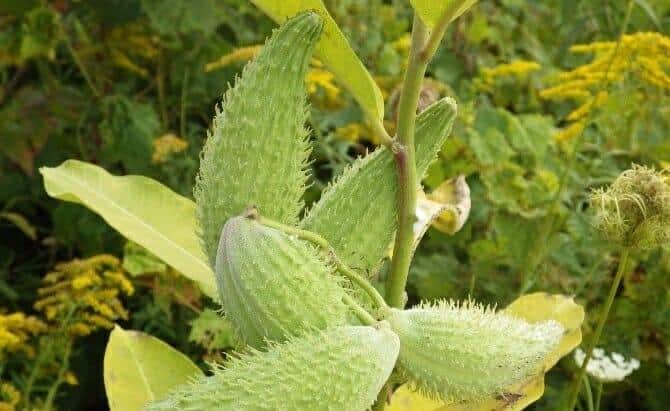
x,y
623,261
406,166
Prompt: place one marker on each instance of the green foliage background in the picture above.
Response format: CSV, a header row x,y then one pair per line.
x,y
102,80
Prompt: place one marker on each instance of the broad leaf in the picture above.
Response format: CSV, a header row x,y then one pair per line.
x,y
141,209
335,52
140,369
533,308
430,11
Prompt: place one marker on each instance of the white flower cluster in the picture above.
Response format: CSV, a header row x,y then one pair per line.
x,y
607,368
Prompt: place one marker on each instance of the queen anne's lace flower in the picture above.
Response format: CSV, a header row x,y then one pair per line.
x,y
607,368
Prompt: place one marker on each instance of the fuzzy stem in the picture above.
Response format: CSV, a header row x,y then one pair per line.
x,y
623,261
438,31
406,166
325,245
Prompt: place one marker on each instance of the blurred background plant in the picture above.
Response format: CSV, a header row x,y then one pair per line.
x,y
553,103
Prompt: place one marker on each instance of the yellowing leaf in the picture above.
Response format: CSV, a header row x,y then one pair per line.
x,y
454,196
533,308
430,11
334,51
140,368
404,399
541,307
141,209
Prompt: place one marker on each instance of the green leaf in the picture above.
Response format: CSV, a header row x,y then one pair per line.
x,y
128,132
213,332
174,17
141,209
137,260
430,11
335,52
139,368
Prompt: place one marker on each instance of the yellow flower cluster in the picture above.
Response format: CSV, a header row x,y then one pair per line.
x,y
9,397
318,79
165,146
16,329
238,55
517,69
86,292
644,55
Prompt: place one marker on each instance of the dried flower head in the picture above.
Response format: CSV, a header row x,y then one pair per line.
x,y
635,210
607,368
85,293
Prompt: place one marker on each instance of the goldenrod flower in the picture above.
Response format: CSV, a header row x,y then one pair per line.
x,y
16,329
9,397
165,146
85,293
643,56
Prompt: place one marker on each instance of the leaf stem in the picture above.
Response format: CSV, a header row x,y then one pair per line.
x,y
360,312
403,151
623,261
438,31
324,245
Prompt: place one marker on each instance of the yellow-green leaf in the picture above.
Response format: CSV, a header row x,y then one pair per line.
x,y
430,11
334,51
140,368
533,308
405,399
141,209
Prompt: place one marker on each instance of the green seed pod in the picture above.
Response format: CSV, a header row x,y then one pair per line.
x,y
272,285
340,369
357,214
464,352
257,150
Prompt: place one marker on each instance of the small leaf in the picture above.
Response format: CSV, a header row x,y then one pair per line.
x,y
404,399
141,209
430,11
139,368
335,52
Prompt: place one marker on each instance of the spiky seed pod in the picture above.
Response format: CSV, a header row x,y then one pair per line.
x,y
467,351
340,369
635,210
357,214
272,285
257,150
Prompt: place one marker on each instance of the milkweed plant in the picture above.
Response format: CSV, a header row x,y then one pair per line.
x,y
317,296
